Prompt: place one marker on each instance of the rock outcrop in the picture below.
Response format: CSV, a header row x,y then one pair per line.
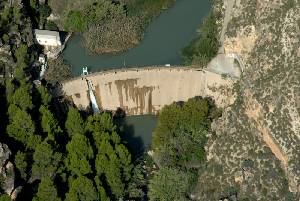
x,y
7,173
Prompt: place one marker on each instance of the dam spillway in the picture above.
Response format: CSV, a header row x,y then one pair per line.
x,y
147,90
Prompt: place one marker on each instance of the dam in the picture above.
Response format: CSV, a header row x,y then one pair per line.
x,y
139,91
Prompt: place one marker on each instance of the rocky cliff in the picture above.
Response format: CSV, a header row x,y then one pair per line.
x,y
256,152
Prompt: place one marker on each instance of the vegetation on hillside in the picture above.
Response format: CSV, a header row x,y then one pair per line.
x,y
203,48
178,144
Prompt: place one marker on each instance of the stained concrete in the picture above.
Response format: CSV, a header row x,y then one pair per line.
x,y
147,90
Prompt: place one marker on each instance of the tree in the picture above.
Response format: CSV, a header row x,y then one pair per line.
x,y
181,133
113,160
21,98
22,129
75,22
21,164
202,49
45,96
169,121
107,165
5,197
44,11
74,123
101,190
46,191
80,153
100,123
22,56
169,184
49,123
46,161
33,4
82,189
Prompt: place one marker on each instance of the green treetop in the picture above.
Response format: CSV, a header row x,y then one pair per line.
x,y
82,189
80,154
46,161
74,123
22,129
46,191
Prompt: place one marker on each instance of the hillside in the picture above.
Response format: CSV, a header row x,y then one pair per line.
x,y
256,152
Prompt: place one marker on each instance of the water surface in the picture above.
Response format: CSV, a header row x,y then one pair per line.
x,y
137,132
162,43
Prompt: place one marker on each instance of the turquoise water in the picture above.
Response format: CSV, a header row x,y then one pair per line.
x,y
162,43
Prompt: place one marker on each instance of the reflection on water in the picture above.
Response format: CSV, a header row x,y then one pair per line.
x,y
163,41
137,131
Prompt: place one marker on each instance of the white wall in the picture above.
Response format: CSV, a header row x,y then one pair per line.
x,y
47,41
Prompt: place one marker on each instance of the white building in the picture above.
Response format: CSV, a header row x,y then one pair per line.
x,y
50,40
47,38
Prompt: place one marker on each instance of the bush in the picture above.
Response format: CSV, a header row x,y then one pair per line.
x,y
114,35
57,71
169,184
202,49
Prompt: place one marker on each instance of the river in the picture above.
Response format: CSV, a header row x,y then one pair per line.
x,y
163,41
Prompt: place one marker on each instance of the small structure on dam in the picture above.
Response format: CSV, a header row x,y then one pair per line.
x,y
147,90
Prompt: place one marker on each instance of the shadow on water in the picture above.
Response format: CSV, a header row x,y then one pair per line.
x,y
137,132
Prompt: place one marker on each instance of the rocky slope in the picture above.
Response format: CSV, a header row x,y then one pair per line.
x,y
255,154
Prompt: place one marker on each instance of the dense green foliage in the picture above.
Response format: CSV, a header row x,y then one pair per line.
x,y
178,143
203,48
181,132
169,184
73,158
86,156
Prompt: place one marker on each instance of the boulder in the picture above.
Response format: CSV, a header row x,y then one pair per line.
x,y
15,192
4,154
7,173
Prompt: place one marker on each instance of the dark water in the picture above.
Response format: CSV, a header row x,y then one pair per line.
x,y
137,131
162,43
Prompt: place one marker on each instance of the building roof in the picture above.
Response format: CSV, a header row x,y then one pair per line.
x,y
46,33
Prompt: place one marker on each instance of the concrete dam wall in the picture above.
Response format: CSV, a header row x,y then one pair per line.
x,y
147,90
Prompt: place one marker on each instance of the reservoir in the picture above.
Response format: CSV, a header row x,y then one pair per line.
x,y
163,41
